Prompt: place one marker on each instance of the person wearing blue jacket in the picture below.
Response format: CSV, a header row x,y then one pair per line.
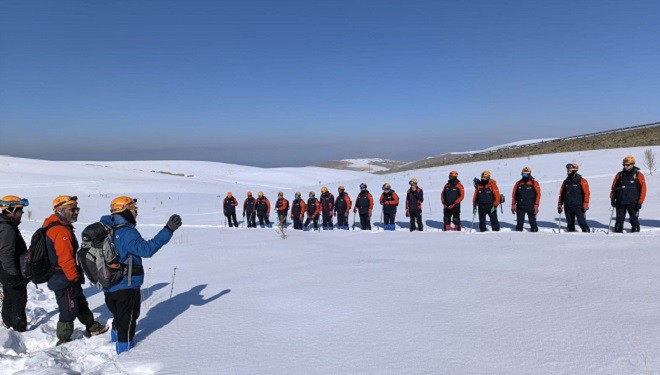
x,y
123,299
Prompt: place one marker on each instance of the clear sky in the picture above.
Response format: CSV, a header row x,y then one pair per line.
x,y
279,82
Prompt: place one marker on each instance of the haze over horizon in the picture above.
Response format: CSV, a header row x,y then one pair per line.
x,y
295,83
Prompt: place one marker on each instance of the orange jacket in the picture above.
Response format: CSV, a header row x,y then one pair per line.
x,y
393,202
282,204
514,194
63,242
642,184
492,185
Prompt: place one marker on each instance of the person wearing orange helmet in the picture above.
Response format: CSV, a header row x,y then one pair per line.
x,y
526,198
485,200
248,210
627,195
229,207
67,278
123,298
452,195
574,199
327,208
262,208
12,247
364,205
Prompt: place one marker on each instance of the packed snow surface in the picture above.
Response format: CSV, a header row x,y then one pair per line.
x,y
247,301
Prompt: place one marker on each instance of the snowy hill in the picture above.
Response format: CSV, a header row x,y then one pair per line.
x,y
363,165
246,301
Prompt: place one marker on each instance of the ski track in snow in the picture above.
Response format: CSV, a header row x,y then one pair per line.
x,y
246,301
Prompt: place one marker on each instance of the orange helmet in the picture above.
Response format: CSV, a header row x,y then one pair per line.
x,y
260,194
324,190
249,193
64,200
571,167
629,160
341,188
121,204
13,202
453,174
229,195
280,194
526,170
485,175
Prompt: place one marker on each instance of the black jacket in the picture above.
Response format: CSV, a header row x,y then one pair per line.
x,y
12,246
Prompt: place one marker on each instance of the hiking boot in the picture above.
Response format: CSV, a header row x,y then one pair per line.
x,y
97,329
64,332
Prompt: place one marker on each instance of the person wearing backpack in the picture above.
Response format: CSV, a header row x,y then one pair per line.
x,y
229,207
123,298
485,201
67,278
627,195
12,246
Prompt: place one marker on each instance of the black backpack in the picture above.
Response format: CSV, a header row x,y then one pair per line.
x,y
35,265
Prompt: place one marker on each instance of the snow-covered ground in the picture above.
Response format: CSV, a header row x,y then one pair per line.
x,y
247,301
506,145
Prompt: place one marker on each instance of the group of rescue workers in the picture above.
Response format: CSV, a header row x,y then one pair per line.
x,y
627,196
65,277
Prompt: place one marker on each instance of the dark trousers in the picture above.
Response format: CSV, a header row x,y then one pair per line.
x,y
573,213
281,217
633,214
365,221
342,219
72,304
263,218
452,216
125,308
327,220
388,218
13,307
231,220
416,221
251,220
484,210
297,222
315,220
520,215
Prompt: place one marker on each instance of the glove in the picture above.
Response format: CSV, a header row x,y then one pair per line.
x,y
173,223
513,209
474,210
639,206
370,213
493,209
560,209
355,210
585,208
613,202
346,214
243,213
536,210
407,213
451,207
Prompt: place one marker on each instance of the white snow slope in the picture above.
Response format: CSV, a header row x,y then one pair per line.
x,y
248,302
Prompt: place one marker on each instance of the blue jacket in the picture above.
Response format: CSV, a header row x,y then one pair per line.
x,y
128,241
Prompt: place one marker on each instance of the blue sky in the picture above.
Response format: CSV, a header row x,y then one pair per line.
x,y
275,83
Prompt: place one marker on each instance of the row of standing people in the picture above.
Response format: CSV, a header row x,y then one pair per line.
x,y
63,272
627,195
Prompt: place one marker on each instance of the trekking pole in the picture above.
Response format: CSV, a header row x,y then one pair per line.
x,y
172,289
559,224
382,221
474,214
611,217
353,220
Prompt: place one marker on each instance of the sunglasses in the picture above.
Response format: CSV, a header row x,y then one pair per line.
x,y
627,165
